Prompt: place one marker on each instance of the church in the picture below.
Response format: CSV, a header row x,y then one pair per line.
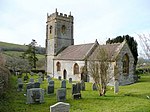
x,y
66,60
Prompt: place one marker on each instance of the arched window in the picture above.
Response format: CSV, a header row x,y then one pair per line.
x,y
126,64
58,66
50,29
76,68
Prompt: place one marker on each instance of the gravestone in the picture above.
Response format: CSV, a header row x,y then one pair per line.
x,y
61,94
20,84
25,78
51,87
20,81
31,73
63,84
29,85
48,79
116,86
40,74
60,107
59,77
36,85
31,80
94,87
76,94
35,95
40,80
70,80
82,85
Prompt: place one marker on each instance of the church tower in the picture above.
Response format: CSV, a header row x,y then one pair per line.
x,y
59,35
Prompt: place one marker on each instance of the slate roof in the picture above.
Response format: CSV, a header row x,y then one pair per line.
x,y
89,51
111,49
75,52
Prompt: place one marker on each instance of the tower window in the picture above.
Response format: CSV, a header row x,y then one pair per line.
x,y
63,29
126,64
58,66
50,29
76,68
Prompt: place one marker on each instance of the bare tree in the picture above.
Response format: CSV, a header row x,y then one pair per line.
x,y
98,68
145,44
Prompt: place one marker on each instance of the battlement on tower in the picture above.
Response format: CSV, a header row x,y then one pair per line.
x,y
60,16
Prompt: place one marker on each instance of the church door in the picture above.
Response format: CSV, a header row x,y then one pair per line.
x,y
65,74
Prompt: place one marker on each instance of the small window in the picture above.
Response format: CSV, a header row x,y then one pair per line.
x,y
76,68
50,29
63,29
58,66
126,64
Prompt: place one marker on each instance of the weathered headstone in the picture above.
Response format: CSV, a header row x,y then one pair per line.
x,y
63,84
59,77
20,84
35,95
70,80
40,80
116,86
82,85
61,94
31,80
76,94
36,85
60,107
51,87
94,87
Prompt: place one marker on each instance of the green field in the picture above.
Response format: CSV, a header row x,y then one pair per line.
x,y
11,45
17,54
131,98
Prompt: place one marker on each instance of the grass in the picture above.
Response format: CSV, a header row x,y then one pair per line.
x,y
131,98
11,45
18,54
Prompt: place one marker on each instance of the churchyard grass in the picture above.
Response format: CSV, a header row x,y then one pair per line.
x,y
131,98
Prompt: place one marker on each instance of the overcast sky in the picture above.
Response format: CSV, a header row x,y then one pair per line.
x,y
24,20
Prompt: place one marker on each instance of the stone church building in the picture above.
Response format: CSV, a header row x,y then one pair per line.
x,y
67,60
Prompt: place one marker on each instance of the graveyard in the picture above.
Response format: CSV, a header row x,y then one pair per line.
x,y
134,97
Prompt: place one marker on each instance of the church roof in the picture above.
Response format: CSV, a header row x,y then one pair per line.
x,y
75,52
111,49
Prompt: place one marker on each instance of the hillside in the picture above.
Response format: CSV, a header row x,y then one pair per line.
x,y
16,50
4,46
